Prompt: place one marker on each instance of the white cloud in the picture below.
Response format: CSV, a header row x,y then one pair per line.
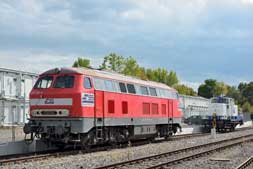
x,y
33,62
32,17
32,7
133,15
37,62
145,28
247,2
194,85
185,11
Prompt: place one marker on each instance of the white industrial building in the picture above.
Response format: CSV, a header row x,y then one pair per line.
x,y
193,106
15,87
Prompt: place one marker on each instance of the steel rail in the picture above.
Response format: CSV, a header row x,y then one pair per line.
x,y
197,155
141,160
58,153
246,163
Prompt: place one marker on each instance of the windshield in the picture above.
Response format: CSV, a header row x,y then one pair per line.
x,y
220,100
64,82
43,82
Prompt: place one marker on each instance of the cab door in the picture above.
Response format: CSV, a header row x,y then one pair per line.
x,y
170,109
87,97
99,115
99,104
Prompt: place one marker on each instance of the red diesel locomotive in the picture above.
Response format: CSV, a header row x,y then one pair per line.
x,y
89,106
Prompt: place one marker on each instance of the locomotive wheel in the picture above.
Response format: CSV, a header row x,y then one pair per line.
x,y
167,137
86,143
152,139
86,148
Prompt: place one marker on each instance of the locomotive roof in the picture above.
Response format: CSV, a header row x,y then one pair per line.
x,y
107,75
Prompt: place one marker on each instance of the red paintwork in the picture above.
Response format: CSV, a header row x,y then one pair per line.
x,y
101,102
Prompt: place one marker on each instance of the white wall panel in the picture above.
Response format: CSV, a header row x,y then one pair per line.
x,y
10,85
15,87
26,86
193,106
11,114
1,83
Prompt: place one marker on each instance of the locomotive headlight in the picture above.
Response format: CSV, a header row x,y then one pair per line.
x,y
64,113
50,112
35,112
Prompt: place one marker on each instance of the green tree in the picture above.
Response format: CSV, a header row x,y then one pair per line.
x,y
220,89
150,75
163,76
247,107
81,62
233,92
171,79
141,73
247,91
130,67
113,62
185,90
158,75
242,86
243,96
207,89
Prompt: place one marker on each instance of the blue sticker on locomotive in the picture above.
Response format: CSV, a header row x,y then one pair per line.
x,y
49,101
87,99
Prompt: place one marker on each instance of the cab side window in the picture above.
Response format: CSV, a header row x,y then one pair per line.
x,y
131,89
144,90
109,85
87,83
152,91
122,87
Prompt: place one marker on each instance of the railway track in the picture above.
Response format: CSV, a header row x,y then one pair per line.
x,y
246,163
10,159
183,136
173,157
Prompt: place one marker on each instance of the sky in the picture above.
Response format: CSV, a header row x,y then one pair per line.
x,y
198,39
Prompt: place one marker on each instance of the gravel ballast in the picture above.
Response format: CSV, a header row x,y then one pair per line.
x,y
226,159
92,160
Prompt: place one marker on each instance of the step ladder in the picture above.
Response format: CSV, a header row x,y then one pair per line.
x,y
99,133
170,126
